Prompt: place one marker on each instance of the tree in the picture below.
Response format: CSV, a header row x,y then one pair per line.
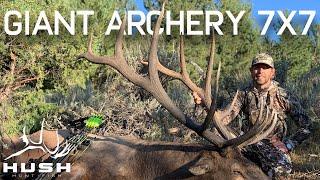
x,y
35,67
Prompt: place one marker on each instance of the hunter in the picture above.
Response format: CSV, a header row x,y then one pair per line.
x,y
271,153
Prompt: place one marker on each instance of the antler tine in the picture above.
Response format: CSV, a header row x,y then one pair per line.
x,y
153,57
155,65
117,61
165,70
90,44
263,135
262,123
259,125
227,113
183,63
153,84
90,56
185,76
118,46
156,88
217,121
207,89
217,83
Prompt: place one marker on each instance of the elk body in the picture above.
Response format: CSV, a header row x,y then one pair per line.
x,y
129,158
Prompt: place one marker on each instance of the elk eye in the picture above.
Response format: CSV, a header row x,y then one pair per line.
x,y
236,172
237,175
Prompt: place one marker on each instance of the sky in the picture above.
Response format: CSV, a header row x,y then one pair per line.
x,y
289,5
272,5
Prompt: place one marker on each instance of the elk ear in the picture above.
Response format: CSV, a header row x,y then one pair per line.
x,y
201,167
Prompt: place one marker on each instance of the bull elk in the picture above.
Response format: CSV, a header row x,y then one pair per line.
x,y
171,160
125,158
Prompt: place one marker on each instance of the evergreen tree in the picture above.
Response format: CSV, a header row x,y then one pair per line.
x,y
35,66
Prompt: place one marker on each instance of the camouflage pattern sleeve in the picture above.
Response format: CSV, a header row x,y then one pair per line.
x,y
296,112
235,109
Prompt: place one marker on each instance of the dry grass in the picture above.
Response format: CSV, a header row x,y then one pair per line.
x,y
305,175
306,158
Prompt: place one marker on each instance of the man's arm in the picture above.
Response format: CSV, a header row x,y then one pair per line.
x,y
302,120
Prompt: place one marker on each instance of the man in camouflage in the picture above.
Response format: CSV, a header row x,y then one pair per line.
x,y
272,152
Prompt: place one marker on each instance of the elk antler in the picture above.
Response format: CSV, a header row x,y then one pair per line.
x,y
152,84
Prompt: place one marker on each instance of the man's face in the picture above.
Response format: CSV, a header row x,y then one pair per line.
x,y
262,73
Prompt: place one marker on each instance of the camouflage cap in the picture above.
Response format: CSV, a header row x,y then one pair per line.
x,y
263,58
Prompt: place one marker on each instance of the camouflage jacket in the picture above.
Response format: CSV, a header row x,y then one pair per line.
x,y
249,100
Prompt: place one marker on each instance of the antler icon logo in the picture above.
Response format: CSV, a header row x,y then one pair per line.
x,y
40,145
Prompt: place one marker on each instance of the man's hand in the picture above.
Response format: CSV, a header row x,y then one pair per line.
x,y
197,99
218,114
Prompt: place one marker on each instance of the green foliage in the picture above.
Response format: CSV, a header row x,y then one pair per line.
x,y
26,109
49,60
297,52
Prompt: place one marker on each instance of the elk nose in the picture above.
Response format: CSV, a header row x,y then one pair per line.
x,y
238,178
